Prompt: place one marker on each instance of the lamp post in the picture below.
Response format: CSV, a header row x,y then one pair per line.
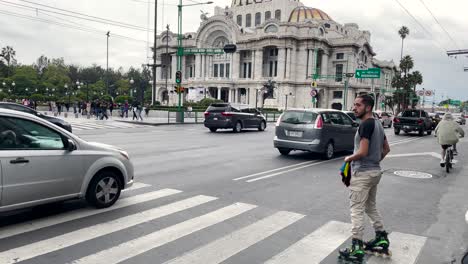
x,y
180,50
286,104
131,86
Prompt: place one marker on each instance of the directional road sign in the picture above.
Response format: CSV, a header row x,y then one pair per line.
x,y
371,73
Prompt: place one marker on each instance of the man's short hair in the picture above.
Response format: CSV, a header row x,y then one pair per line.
x,y
367,100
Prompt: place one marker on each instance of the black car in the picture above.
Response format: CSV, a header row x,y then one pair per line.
x,y
56,121
235,117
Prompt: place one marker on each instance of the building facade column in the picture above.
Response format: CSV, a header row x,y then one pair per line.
x,y
324,70
311,67
203,67
282,53
198,66
174,67
258,64
235,65
219,93
236,95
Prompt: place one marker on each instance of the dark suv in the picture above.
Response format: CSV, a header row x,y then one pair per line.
x,y
56,121
235,117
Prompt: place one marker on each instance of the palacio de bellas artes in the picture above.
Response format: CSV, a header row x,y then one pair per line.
x,y
286,52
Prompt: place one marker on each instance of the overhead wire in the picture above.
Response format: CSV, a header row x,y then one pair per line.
x,y
437,21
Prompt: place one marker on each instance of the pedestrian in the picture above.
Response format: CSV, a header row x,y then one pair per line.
x,y
50,107
139,111
111,107
75,105
59,108
88,108
134,110
97,109
67,106
370,147
126,106
147,109
104,111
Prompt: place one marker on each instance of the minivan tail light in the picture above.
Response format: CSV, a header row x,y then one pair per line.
x,y
226,114
396,120
278,121
207,114
319,122
420,122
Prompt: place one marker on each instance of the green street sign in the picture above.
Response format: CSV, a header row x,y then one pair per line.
x,y
194,51
371,73
455,102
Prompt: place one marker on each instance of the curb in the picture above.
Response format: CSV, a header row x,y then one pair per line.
x,y
158,124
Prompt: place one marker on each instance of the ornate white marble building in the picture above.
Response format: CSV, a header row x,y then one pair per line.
x,y
279,40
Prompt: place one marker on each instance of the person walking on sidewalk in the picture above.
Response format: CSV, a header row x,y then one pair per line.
x,y
370,148
104,111
139,111
134,110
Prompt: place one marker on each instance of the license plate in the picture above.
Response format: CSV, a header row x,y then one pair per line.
x,y
215,118
295,133
406,127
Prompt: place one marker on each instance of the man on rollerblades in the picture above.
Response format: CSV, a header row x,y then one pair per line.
x,y
370,147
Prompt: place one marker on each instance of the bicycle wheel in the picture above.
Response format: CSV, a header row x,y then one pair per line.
x,y
447,161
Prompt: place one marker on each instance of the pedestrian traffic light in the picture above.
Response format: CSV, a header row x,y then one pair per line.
x,y
178,77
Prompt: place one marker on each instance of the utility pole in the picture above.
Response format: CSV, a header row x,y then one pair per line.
x,y
167,53
153,88
179,58
107,64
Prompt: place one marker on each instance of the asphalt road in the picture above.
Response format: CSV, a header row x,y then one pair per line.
x,y
232,198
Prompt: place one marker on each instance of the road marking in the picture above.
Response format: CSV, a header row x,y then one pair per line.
x,y
294,169
433,154
316,246
405,249
404,141
466,217
82,213
85,234
231,244
265,172
151,241
136,186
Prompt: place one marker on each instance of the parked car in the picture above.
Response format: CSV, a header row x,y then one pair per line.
x,y
43,163
56,121
235,117
459,118
385,118
413,120
352,115
315,130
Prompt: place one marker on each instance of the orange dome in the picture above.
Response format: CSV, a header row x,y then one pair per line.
x,y
302,13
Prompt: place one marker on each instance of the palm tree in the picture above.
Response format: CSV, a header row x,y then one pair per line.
x,y
404,31
416,79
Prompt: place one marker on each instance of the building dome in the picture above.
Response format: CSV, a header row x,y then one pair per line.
x,y
302,13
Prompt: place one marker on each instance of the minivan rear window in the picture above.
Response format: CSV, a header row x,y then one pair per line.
x,y
218,108
296,117
415,113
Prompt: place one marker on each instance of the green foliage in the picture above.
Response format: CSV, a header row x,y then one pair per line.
x,y
122,98
3,95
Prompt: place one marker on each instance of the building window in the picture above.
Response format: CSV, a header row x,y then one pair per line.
x,y
278,14
244,75
191,71
271,29
258,19
340,56
221,70
339,73
248,20
338,95
250,70
239,20
276,68
267,15
228,69
271,69
215,70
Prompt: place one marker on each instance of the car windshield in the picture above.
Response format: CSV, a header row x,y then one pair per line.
x,y
352,115
296,117
414,113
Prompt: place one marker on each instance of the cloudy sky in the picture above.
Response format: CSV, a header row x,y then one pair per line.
x,y
33,32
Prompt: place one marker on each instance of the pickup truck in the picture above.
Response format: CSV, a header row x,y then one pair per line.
x,y
413,120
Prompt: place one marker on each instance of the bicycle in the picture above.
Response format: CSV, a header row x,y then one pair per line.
x,y
449,158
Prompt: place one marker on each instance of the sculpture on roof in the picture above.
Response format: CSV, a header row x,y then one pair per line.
x,y
204,16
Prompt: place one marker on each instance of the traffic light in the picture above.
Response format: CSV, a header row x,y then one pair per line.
x,y
178,77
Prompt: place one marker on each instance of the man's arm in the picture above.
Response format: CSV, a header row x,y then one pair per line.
x,y
386,149
362,152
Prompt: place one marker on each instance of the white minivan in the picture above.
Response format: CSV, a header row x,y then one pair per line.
x,y
43,163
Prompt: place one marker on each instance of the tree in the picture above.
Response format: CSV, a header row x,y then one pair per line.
x,y
8,54
404,32
416,78
41,64
406,82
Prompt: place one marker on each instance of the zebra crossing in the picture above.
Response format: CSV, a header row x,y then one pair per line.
x,y
108,124
313,246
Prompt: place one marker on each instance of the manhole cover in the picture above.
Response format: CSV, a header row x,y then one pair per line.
x,y
413,174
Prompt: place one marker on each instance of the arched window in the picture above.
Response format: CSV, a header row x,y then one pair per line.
x,y
258,19
267,15
248,20
271,29
321,32
278,14
239,20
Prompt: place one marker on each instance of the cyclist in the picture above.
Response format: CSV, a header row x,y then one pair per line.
x,y
447,132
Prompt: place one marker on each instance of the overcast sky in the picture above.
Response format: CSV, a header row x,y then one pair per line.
x,y
382,18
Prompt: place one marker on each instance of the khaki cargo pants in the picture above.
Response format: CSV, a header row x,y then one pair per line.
x,y
362,194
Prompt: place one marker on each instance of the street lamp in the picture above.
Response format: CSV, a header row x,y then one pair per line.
x,y
179,49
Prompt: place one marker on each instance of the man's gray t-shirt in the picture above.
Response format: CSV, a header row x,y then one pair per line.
x,y
374,132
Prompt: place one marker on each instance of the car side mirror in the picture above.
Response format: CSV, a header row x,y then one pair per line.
x,y
71,146
355,124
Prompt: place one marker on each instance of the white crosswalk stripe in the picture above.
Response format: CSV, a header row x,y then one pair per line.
x,y
312,246
102,125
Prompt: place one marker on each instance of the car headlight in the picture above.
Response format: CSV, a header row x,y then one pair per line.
x,y
124,154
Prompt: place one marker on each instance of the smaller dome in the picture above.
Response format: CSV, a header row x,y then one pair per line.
x,y
302,13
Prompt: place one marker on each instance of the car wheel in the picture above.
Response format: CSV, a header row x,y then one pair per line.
x,y
284,151
429,132
421,132
262,126
397,131
213,129
329,151
238,127
104,189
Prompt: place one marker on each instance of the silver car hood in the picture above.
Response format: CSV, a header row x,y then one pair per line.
x,y
103,146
